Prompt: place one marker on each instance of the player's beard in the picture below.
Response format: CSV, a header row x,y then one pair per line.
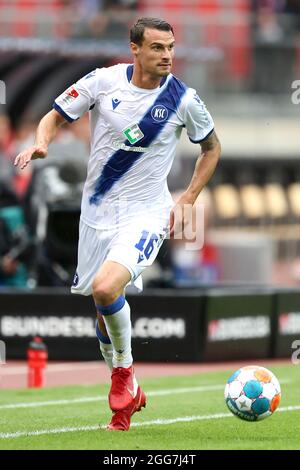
x,y
163,71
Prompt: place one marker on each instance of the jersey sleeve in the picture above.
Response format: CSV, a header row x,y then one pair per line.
x,y
78,98
198,121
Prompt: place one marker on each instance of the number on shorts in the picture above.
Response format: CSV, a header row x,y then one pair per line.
x,y
147,250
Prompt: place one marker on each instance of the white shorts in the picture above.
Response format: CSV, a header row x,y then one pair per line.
x,y
134,246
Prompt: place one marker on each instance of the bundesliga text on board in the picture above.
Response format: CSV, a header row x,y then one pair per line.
x,y
296,93
80,327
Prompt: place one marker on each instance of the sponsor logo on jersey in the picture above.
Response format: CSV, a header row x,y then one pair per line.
x,y
121,146
133,133
159,113
115,102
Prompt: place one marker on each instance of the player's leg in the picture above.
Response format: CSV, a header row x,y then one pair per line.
x,y
108,292
92,249
128,256
125,396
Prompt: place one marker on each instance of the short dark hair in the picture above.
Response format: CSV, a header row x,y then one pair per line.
x,y
138,29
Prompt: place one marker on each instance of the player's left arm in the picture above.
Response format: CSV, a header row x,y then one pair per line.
x,y
204,169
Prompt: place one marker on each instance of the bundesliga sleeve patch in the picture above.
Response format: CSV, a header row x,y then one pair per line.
x,y
72,92
70,95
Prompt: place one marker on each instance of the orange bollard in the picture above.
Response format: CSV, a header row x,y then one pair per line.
x,y
37,357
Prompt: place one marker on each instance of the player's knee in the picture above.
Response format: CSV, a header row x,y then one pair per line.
x,y
103,292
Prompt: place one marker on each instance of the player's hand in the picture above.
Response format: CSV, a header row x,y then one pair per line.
x,y
180,215
32,153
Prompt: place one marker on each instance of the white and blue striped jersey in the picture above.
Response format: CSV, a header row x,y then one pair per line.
x,y
134,133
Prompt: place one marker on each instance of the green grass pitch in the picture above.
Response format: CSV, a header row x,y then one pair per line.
x,y
182,413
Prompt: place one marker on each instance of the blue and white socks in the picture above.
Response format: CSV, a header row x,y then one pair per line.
x,y
118,325
106,347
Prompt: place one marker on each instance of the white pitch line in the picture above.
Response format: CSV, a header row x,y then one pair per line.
x,y
155,393
155,422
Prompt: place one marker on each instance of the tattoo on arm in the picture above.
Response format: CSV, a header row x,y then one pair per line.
x,y
210,143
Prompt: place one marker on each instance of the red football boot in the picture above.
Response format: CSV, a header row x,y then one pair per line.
x,y
121,419
122,391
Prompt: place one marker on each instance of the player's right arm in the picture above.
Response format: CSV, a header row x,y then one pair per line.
x,y
46,131
67,107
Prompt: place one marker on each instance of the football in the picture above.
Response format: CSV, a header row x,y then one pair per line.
x,y
252,393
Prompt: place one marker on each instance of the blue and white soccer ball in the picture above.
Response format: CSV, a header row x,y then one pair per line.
x,y
252,393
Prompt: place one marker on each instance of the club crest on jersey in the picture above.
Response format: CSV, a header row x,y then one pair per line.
x,y
159,113
133,133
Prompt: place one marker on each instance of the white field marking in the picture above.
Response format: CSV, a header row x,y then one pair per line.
x,y
155,393
155,422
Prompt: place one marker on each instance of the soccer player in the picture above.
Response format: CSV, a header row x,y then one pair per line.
x,y
137,112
